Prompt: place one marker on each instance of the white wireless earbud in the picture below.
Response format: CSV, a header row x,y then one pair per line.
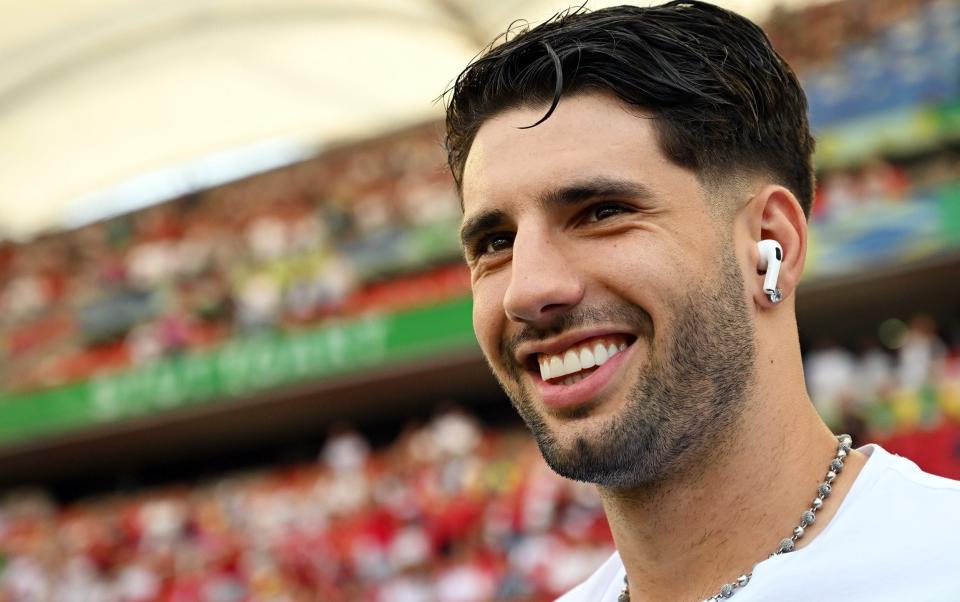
x,y
771,254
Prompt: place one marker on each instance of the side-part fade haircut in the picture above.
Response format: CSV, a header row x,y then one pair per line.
x,y
721,98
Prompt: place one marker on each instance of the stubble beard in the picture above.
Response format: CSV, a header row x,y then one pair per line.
x,y
686,400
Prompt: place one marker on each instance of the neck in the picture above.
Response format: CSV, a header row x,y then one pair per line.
x,y
684,537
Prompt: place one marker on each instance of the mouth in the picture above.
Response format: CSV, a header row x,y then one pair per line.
x,y
577,362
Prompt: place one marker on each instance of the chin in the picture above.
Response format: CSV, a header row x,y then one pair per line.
x,y
581,460
593,447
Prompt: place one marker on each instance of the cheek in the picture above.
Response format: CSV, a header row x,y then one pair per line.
x,y
488,317
647,276
636,270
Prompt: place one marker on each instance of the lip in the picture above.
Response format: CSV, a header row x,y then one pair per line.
x,y
558,397
565,342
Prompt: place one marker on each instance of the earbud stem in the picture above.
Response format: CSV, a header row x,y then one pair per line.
x,y
771,256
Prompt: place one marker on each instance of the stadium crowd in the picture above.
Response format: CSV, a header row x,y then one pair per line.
x,y
448,512
364,229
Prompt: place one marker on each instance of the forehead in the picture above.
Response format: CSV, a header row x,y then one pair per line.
x,y
588,136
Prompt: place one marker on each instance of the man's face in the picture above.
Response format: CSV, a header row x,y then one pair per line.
x,y
607,298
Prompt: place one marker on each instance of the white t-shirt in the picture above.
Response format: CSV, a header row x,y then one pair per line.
x,y
895,537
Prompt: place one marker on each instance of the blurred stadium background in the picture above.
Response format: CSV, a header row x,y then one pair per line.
x,y
236,359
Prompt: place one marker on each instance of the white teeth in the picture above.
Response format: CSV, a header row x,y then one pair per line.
x,y
577,359
571,362
600,354
586,359
556,367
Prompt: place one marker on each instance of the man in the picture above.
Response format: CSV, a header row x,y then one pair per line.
x,y
618,170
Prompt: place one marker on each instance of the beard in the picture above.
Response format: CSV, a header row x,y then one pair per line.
x,y
687,398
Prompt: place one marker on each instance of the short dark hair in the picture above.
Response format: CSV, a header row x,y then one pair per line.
x,y
722,98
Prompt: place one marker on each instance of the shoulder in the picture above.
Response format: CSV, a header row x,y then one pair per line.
x,y
603,585
894,537
900,482
901,507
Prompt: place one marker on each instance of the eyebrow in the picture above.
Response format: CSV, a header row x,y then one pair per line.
x,y
484,221
565,196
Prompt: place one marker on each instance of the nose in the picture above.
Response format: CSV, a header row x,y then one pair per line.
x,y
543,282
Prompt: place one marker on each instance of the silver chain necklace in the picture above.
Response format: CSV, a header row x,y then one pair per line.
x,y
787,544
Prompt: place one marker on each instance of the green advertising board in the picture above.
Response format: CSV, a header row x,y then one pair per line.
x,y
240,368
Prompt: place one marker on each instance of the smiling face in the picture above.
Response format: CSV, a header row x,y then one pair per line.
x,y
607,298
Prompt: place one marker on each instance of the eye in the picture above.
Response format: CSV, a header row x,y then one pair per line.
x,y
603,211
494,244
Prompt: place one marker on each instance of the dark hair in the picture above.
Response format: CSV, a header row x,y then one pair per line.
x,y
722,98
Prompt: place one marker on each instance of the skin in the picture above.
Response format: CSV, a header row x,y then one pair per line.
x,y
695,518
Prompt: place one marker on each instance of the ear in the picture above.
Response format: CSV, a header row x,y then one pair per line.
x,y
775,213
